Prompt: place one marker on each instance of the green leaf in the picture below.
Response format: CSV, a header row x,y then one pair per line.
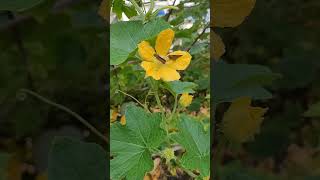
x,y
4,158
129,11
18,5
235,80
313,111
125,36
71,159
179,87
196,141
117,7
132,144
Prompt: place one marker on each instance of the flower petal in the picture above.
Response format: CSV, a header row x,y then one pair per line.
x,y
164,41
152,69
146,51
185,99
168,74
179,60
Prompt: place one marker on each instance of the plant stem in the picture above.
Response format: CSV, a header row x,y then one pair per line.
x,y
197,38
136,6
67,110
151,7
170,12
155,87
175,105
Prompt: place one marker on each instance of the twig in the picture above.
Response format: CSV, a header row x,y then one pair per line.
x,y
170,11
67,110
194,42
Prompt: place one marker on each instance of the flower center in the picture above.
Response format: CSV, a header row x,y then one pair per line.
x,y
162,60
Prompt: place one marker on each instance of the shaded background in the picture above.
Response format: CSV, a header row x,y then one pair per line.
x,y
57,49
283,35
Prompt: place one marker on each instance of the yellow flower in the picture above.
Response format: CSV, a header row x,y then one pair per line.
x,y
185,99
168,154
123,120
113,115
242,121
158,63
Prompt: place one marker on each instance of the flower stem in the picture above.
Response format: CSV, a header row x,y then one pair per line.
x,y
151,7
155,87
175,105
67,110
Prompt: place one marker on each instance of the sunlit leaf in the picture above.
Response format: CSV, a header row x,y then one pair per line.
x,y
131,144
196,141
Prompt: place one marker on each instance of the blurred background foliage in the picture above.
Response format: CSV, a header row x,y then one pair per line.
x,y
283,35
57,49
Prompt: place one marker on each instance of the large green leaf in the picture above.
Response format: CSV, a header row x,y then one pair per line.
x,y
235,80
132,144
18,5
71,159
125,36
179,87
196,141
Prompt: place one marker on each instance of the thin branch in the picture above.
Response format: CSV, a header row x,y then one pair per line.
x,y
170,11
198,37
67,110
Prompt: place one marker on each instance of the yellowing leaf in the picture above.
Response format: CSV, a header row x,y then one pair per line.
x,y
230,13
103,9
218,47
242,121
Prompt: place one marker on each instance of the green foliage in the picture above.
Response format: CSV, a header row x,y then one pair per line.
x,y
196,141
235,80
120,7
179,87
125,36
132,144
73,159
